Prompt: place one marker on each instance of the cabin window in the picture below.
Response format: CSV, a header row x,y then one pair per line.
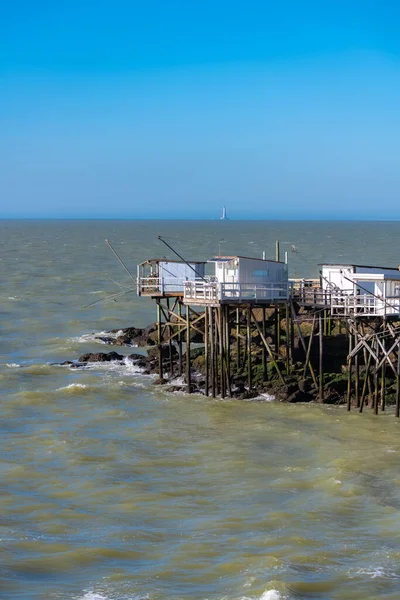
x,y
259,273
231,272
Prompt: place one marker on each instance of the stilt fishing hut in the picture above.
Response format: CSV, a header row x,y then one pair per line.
x,y
366,300
230,304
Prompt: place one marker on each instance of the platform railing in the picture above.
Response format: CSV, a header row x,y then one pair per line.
x,y
212,291
148,286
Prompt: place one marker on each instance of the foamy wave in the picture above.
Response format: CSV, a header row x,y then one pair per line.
x,y
72,386
375,572
124,366
267,595
271,595
92,337
93,596
13,365
100,596
264,398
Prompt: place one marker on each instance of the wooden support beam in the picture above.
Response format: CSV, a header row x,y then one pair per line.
x,y
227,354
309,346
188,371
237,339
321,359
349,370
171,360
356,374
249,367
212,352
206,351
366,380
267,346
303,344
180,341
264,350
159,341
397,412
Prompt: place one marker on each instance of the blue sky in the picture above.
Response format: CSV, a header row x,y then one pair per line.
x,y
157,109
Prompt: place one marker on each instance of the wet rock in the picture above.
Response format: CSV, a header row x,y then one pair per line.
x,y
305,385
299,396
160,381
249,395
175,388
100,357
153,352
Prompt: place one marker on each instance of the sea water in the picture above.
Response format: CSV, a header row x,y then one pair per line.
x,y
112,489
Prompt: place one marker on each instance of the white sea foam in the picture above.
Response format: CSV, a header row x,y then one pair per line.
x,y
375,572
266,397
93,596
91,337
13,365
72,386
271,595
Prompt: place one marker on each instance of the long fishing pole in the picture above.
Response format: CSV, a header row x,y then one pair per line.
x,y
181,257
110,297
121,261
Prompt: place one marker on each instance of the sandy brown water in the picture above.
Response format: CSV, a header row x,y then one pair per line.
x,y
112,489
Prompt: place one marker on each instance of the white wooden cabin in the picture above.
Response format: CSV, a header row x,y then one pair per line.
x,y
163,277
240,279
362,290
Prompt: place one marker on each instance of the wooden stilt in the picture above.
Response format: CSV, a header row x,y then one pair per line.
x,y
366,380
212,352
227,352
349,370
237,339
206,351
188,372
221,351
264,350
180,355
356,373
171,360
303,345
248,336
270,353
397,413
321,359
307,362
383,372
375,402
287,339
383,386
159,341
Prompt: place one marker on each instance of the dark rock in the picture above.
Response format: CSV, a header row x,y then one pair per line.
x,y
299,396
305,385
136,356
160,381
153,352
100,357
106,340
249,394
175,388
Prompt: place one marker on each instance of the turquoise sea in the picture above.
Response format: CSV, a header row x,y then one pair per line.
x,y
112,489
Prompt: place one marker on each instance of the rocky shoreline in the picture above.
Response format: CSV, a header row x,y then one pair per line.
x,y
298,385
